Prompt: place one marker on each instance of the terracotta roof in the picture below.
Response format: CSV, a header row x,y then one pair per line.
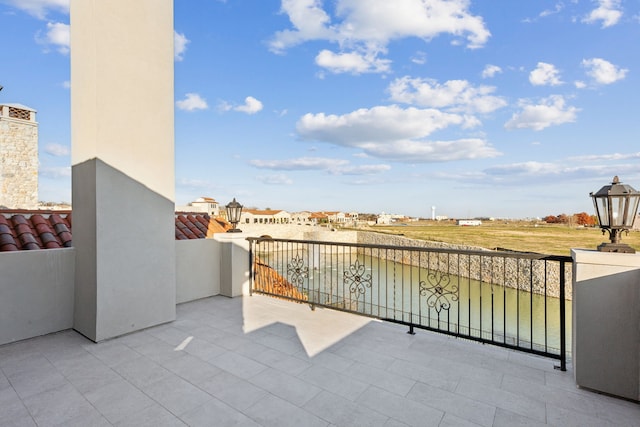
x,y
30,230
205,200
318,215
199,226
34,230
262,211
269,281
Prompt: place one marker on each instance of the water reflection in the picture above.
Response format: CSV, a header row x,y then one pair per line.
x,y
432,298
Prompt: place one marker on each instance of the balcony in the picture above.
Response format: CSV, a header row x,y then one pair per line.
x,y
245,360
260,361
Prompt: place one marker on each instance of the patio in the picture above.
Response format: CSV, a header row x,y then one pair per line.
x,y
259,361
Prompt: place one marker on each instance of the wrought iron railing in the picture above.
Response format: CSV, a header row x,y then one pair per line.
x,y
510,299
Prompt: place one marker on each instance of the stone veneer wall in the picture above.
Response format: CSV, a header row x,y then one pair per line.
x,y
508,271
18,158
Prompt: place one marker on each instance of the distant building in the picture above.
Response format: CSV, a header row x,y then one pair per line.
x,y
301,218
206,205
318,218
266,216
335,217
469,222
351,218
19,154
384,219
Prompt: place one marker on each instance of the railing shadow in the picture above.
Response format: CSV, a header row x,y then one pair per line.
x,y
510,299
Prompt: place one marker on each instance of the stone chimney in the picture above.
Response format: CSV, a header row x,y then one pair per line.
x,y
18,157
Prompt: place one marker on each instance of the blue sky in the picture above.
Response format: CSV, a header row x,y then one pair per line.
x,y
480,108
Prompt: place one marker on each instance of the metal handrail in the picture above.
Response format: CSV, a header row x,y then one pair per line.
x,y
273,272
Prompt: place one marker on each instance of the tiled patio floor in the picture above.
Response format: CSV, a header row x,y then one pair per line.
x,y
258,361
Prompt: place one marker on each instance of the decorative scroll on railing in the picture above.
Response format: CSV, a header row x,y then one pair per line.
x,y
514,300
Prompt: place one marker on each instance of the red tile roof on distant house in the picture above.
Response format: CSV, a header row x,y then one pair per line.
x,y
30,230
199,226
262,211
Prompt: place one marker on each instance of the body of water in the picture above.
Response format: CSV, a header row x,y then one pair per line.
x,y
431,298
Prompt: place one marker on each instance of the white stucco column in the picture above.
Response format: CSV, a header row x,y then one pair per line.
x,y
606,322
122,130
234,264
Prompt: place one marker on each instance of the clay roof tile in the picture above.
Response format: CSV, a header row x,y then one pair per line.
x,y
48,230
7,243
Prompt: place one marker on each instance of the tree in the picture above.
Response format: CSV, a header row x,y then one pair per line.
x,y
584,218
558,219
550,219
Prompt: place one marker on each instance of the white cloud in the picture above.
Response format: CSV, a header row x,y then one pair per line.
x,y
528,168
419,58
454,95
309,20
366,27
180,42
277,179
332,166
608,11
394,133
378,124
603,72
541,173
354,63
360,170
545,75
55,172
196,184
192,102
557,9
490,71
39,8
300,163
251,106
57,34
564,170
410,151
549,112
57,150
607,157
66,84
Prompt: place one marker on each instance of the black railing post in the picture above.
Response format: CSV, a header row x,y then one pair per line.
x,y
251,278
563,320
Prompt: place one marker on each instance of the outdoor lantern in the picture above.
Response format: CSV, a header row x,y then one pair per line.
x,y
616,207
234,210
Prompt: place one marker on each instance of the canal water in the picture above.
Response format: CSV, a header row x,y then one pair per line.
x,y
429,298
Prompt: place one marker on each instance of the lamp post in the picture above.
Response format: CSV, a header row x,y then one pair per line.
x,y
616,207
234,211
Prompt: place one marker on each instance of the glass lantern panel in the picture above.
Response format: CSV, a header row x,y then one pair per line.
x,y
602,209
633,210
617,210
234,214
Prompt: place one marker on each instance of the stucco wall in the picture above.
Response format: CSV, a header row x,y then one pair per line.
x,y
36,293
37,287
197,269
606,322
123,168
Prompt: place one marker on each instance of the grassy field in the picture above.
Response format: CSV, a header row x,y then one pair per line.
x,y
518,236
